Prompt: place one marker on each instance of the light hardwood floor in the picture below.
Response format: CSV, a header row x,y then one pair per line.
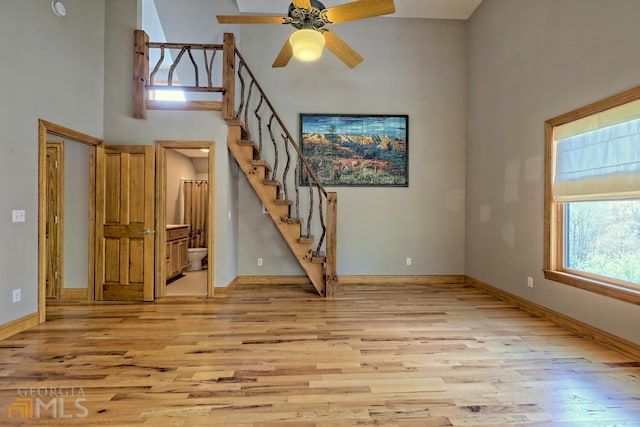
x,y
379,355
191,283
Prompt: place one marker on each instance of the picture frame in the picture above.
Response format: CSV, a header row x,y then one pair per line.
x,y
367,150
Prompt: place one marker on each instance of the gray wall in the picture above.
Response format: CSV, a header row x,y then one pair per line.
x,y
76,215
179,167
528,62
378,228
52,68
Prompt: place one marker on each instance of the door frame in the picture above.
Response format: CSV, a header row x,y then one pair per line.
x,y
44,128
161,211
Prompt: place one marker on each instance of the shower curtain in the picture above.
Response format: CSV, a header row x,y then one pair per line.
x,y
195,211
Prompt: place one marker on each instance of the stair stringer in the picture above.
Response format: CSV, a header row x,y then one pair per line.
x,y
290,228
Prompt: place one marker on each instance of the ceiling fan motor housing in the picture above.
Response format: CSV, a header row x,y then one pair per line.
x,y
313,19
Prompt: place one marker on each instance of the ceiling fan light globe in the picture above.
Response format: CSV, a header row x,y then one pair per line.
x,y
307,44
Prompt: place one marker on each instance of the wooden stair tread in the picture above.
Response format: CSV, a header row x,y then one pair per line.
x,y
318,257
290,220
262,163
243,130
249,143
273,182
283,202
306,239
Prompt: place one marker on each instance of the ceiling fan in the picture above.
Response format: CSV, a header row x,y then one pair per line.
x,y
310,18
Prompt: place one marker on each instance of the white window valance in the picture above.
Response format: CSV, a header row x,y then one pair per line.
x,y
600,164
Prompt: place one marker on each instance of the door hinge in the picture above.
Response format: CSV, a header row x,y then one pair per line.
x,y
55,275
55,219
56,166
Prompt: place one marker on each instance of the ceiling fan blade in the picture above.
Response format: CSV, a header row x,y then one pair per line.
x,y
304,4
284,56
341,49
250,19
359,10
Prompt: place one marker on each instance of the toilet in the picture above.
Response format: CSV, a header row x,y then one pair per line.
x,y
195,255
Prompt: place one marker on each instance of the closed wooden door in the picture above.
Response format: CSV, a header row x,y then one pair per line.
x,y
54,231
125,216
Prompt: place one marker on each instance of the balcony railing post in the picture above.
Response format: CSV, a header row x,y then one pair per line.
x,y
229,76
140,73
331,273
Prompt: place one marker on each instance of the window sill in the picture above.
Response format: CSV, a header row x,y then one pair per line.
x,y
599,287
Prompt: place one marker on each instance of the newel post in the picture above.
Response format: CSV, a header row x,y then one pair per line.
x,y
140,73
229,76
332,244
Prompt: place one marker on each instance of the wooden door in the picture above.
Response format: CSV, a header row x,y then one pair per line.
x,y
125,216
54,223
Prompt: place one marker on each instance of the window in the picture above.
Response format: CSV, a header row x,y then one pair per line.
x,y
592,197
167,95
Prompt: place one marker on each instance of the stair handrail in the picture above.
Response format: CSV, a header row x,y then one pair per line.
x,y
303,158
231,113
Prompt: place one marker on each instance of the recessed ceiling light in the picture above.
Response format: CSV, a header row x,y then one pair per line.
x,y
58,8
204,150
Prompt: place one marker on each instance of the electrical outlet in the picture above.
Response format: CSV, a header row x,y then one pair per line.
x,y
259,262
408,261
17,295
530,281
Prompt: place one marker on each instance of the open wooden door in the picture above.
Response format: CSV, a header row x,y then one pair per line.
x,y
125,217
54,231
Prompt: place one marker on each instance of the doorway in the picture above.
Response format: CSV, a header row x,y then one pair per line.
x,y
46,130
172,231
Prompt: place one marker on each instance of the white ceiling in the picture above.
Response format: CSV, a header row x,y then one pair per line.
x,y
191,152
436,9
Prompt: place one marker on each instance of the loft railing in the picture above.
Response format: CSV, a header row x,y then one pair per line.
x,y
234,90
198,66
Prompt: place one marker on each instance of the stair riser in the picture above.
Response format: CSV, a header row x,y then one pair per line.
x,y
248,152
279,211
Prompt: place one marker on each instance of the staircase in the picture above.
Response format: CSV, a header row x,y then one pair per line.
x,y
259,174
293,196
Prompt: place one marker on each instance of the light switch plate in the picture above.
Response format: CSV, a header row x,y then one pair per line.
x,y
18,216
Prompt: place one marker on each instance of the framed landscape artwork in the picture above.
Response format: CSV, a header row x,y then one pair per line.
x,y
356,150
